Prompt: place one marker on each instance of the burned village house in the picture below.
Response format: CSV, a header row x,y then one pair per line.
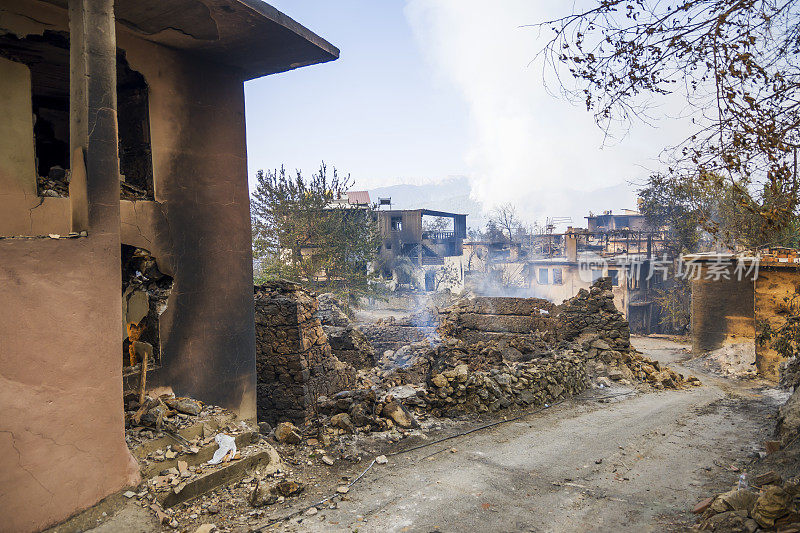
x,y
124,227
403,234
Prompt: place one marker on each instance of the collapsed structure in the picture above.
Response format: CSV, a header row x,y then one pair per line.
x,y
123,153
487,354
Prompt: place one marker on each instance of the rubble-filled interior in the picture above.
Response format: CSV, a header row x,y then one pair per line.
x,y
145,295
47,57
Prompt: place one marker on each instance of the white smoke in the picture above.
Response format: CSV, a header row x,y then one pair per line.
x,y
527,147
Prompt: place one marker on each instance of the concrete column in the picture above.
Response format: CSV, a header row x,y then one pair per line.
x,y
93,108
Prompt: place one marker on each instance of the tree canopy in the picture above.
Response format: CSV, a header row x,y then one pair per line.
x,y
301,234
733,61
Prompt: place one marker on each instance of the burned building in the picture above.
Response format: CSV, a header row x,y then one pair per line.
x,y
404,234
124,226
737,297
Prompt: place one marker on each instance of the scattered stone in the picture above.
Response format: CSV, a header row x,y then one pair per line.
x,y
129,494
342,489
261,495
206,528
287,433
311,511
184,405
328,460
171,454
342,421
213,509
399,415
287,488
381,460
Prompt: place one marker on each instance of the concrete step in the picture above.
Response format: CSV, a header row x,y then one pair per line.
x,y
203,456
262,457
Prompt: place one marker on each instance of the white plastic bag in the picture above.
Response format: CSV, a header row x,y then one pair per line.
x,y
226,444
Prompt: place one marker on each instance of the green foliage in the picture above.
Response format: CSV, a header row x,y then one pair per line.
x,y
298,234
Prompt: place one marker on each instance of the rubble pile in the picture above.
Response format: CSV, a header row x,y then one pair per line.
x,y
771,505
294,361
55,184
347,343
366,410
165,412
409,364
591,321
532,383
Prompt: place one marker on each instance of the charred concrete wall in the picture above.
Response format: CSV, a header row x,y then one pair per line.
x,y
200,221
774,290
294,362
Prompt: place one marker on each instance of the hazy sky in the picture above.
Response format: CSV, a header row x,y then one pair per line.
x,y
427,89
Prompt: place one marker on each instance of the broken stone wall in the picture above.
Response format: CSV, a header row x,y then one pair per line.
x,y
392,335
592,319
531,383
294,362
499,318
347,343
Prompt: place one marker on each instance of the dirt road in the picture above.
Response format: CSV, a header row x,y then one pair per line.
x,y
638,463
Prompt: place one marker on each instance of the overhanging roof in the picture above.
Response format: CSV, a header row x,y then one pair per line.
x,y
249,35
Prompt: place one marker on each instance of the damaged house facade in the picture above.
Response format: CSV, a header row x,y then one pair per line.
x,y
737,297
124,227
403,234
620,247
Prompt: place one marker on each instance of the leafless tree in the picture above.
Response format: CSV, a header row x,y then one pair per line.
x,y
505,217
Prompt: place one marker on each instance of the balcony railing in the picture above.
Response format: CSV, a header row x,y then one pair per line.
x,y
438,235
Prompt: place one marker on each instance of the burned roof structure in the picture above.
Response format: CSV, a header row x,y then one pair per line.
x,y
124,226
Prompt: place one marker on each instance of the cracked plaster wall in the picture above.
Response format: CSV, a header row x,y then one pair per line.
x,y
62,446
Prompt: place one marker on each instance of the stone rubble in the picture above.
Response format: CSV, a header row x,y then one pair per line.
x,y
770,505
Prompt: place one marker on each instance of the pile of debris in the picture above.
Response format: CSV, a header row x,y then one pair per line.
x,y
55,184
772,506
391,333
163,413
592,323
348,412
533,383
